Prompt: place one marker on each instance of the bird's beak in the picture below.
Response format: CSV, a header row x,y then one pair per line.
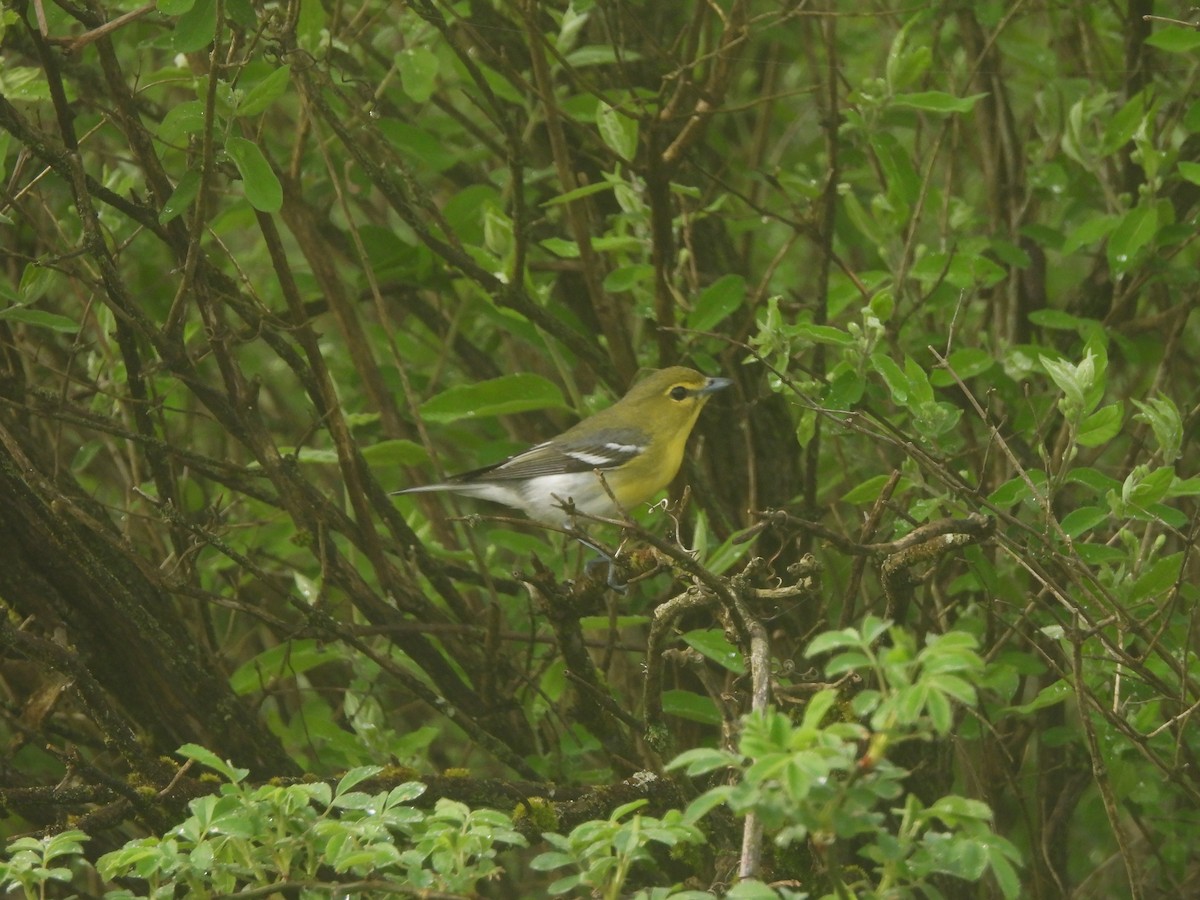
x,y
712,385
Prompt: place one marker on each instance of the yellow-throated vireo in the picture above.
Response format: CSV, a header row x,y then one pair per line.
x,y
632,450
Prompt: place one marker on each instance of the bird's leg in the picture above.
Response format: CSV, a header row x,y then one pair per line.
x,y
605,558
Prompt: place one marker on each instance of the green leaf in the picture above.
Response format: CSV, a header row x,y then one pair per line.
x,y
196,28
266,92
1162,415
1174,39
716,302
355,777
617,130
893,376
1133,232
937,101
1190,171
1050,695
1083,519
833,640
174,7
903,182
39,319
965,363
713,644
628,277
207,758
182,120
1090,232
578,193
1101,426
286,661
396,452
751,889
262,188
702,760
418,68
495,397
181,198
850,661
869,490
549,861
1016,489
823,334
1143,487
1161,576
1120,127
691,706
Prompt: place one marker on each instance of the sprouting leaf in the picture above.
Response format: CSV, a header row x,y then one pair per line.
x,y
1162,415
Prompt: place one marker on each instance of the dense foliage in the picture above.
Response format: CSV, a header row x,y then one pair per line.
x,y
919,616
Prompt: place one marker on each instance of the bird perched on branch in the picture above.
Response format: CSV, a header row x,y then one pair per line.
x,y
627,453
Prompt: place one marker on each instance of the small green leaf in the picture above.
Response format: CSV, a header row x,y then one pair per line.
x,y
1161,576
356,776
39,319
395,453
1084,519
903,182
1133,232
418,68
1015,490
1144,488
174,7
495,397
1175,40
627,277
1050,695
965,363
1088,233
751,889
869,490
713,644
823,334
282,661
1190,171
691,706
618,131
893,376
717,301
586,191
266,92
937,101
181,198
196,28
262,188
1101,426
1161,414
181,120
207,758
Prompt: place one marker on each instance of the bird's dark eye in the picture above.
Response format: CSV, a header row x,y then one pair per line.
x,y
678,392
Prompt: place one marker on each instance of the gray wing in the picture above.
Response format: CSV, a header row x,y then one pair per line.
x,y
612,448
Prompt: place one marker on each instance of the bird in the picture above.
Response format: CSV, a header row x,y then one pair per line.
x,y
603,465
